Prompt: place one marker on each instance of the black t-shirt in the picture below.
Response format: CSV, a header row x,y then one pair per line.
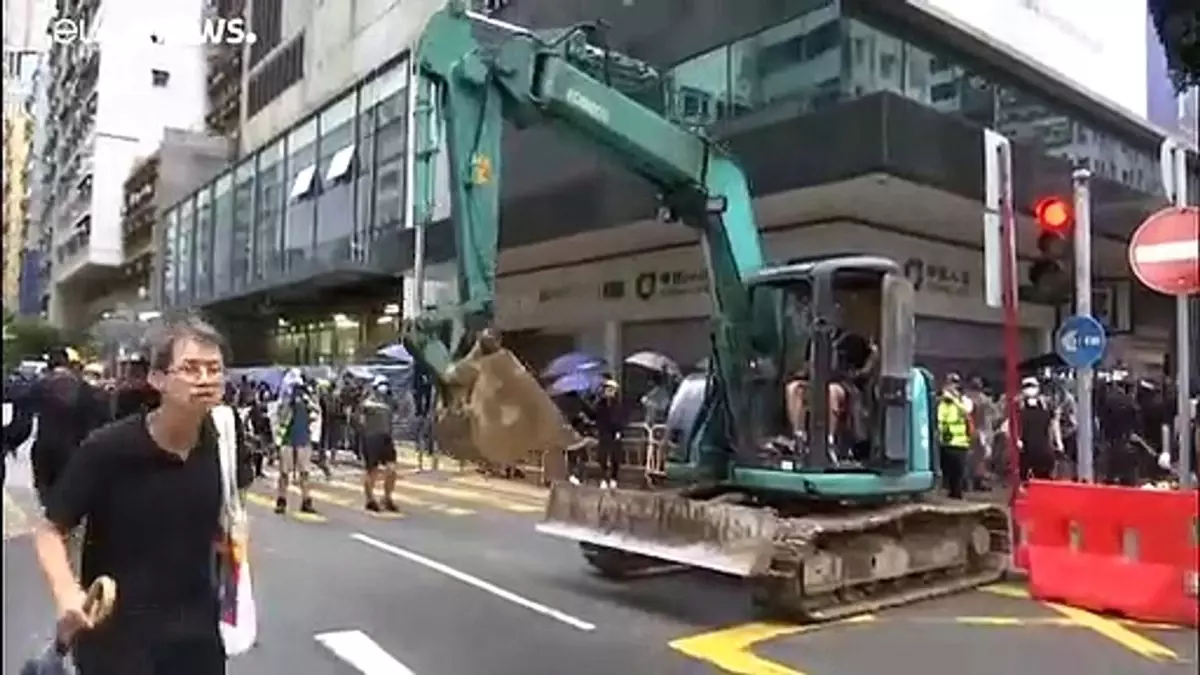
x,y
68,409
151,523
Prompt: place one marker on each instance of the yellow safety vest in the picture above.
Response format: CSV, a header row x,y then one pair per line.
x,y
953,428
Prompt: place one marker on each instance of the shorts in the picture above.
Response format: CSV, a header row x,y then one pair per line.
x,y
378,450
292,459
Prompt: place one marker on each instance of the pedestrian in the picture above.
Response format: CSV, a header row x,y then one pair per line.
x,y
606,416
378,448
1040,442
954,434
68,409
296,414
149,488
135,395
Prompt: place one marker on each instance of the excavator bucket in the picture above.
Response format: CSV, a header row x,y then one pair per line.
x,y
498,413
711,535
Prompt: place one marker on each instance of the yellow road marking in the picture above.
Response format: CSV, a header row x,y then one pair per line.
x,y
322,496
501,485
730,649
409,500
1020,593
1113,630
469,496
269,503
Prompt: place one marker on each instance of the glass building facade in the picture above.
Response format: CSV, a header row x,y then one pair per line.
x,y
823,58
318,196
331,187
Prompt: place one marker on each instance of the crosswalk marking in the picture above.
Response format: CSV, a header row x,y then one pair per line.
x,y
500,485
409,500
269,503
445,495
469,496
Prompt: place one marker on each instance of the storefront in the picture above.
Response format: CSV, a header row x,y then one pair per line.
x,y
659,300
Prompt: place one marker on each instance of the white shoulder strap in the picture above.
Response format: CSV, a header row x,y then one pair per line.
x,y
227,450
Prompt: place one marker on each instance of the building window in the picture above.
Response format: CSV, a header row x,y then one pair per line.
x,y
266,20
242,232
301,209
187,245
335,163
272,194
159,78
275,76
202,287
386,100
223,235
170,261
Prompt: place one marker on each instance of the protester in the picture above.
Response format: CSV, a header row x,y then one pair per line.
x,y
378,448
149,489
69,408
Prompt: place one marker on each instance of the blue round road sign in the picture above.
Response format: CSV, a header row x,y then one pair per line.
x,y
1081,341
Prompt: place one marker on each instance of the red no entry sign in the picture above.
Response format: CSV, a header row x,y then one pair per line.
x,y
1165,251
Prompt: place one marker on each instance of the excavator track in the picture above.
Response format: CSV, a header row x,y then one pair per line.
x,y
859,561
819,563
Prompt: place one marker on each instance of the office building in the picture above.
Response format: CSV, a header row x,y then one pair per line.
x,y
859,122
108,107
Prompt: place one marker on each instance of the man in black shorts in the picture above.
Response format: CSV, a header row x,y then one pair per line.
x,y
378,448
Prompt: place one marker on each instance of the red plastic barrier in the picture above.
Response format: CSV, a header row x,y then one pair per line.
x,y
1123,550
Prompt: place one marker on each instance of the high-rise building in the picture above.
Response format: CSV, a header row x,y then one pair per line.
x,y
24,43
109,103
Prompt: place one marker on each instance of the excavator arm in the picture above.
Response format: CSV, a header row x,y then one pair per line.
x,y
543,78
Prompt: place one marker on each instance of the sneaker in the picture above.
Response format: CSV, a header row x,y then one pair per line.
x,y
306,506
390,506
373,506
574,480
607,485
280,505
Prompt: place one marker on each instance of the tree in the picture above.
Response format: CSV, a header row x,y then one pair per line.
x,y
28,338
1178,26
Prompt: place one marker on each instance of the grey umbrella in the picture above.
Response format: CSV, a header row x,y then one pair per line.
x,y
653,361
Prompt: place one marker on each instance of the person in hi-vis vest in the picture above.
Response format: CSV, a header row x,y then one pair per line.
x,y
954,434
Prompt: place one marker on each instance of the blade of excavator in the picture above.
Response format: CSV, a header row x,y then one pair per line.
x,y
498,413
724,538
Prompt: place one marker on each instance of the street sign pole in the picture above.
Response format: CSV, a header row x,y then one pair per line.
x,y
1084,376
1174,170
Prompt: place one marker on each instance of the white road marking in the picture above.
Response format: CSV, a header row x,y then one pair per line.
x,y
359,650
1168,251
470,580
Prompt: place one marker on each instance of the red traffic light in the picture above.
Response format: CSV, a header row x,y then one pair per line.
x,y
1053,215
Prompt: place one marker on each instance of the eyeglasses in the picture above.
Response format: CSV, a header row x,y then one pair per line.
x,y
193,370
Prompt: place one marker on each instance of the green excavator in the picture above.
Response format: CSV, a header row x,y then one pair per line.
x,y
822,522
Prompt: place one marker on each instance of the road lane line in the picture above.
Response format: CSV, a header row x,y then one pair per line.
x,y
1113,630
409,500
470,580
730,649
364,654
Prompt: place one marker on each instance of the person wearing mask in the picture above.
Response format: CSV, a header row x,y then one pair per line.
x,y
297,411
606,417
148,488
1040,443
378,448
954,434
74,406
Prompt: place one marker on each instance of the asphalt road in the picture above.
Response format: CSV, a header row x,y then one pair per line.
x,y
460,583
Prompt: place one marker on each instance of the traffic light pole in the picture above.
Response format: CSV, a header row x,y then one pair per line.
x,y
1081,181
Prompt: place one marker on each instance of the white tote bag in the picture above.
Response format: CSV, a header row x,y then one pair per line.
x,y
239,614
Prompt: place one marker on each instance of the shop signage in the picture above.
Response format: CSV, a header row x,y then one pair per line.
x,y
673,283
931,277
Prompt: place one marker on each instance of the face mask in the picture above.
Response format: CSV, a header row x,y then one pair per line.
x,y
1030,392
